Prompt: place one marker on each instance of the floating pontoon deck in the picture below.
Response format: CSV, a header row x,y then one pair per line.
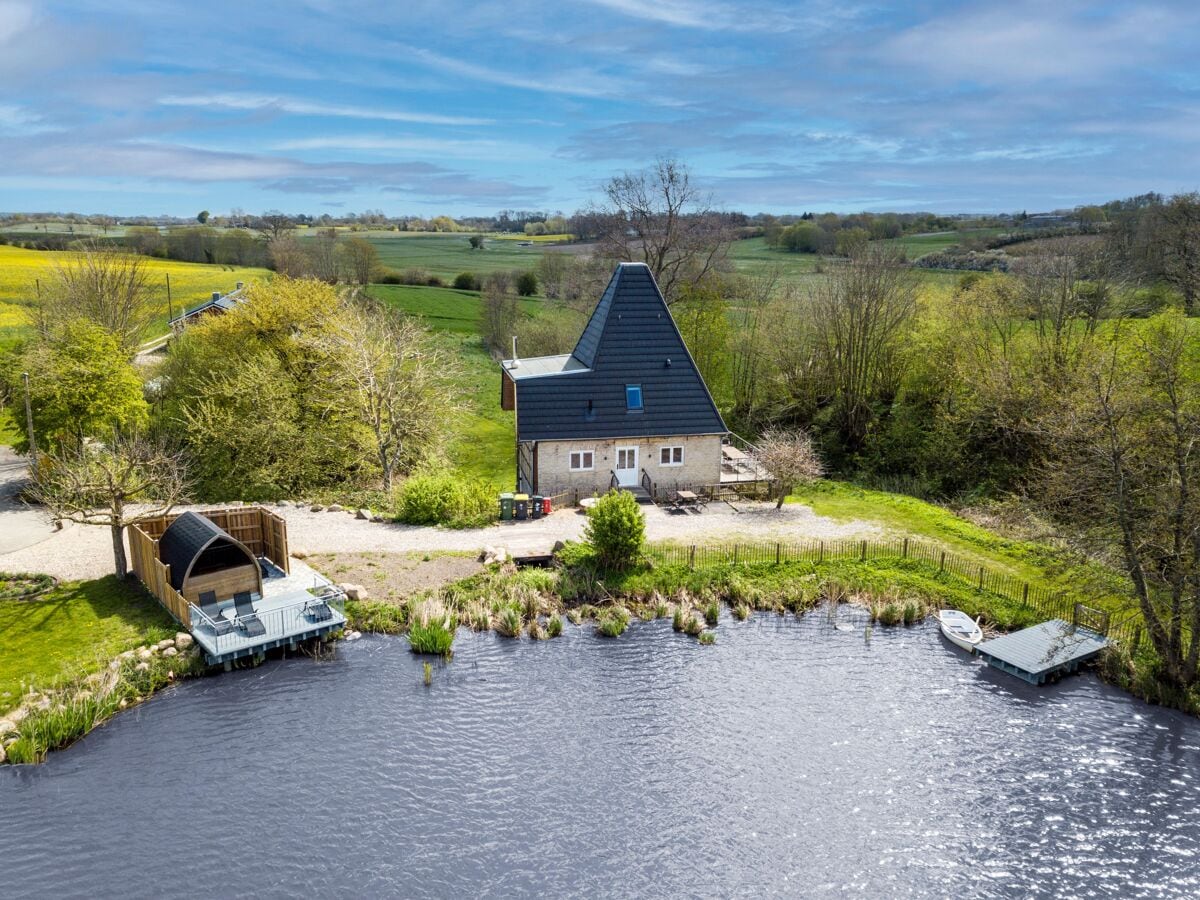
x,y
1044,651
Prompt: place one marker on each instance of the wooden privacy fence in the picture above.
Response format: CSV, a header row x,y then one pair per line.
x,y
1046,602
156,575
263,532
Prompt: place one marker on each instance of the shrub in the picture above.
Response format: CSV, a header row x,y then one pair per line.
x,y
536,631
712,611
391,276
708,638
435,281
613,622
554,627
616,529
466,281
508,622
693,626
414,276
443,498
431,629
741,612
527,284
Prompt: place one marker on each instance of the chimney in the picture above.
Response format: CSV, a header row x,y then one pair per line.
x,y
216,295
515,361
239,286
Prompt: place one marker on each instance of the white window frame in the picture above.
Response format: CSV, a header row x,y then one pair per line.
x,y
581,467
670,450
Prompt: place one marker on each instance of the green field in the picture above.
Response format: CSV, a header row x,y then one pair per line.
x,y
442,309
752,256
75,629
445,255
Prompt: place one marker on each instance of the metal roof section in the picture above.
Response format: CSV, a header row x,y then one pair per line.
x,y
187,538
630,339
535,367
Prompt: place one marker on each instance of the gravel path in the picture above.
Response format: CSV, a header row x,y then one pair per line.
x,y
86,552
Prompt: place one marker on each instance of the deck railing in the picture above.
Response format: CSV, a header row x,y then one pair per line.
x,y
278,623
1047,602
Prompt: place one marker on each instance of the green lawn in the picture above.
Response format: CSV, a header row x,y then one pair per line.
x,y
484,441
1038,564
752,256
76,628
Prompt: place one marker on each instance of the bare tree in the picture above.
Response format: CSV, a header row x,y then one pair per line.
x,y
126,481
103,285
287,256
361,258
393,379
659,216
858,315
501,309
323,256
273,224
1180,247
790,458
1127,465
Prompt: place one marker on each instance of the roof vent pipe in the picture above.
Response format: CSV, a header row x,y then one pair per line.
x,y
239,286
515,361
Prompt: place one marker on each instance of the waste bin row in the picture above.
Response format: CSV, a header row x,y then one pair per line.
x,y
522,506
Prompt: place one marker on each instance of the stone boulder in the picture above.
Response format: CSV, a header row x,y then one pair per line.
x,y
492,555
364,514
170,651
183,640
377,517
165,643
299,553
316,507
142,667
145,653
334,507
355,591
7,727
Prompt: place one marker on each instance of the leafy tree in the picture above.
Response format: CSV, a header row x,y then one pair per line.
x,y
250,394
95,484
202,217
81,385
703,319
476,241
527,284
616,530
790,458
466,281
1126,469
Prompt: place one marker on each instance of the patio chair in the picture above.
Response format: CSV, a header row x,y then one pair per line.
x,y
247,621
208,606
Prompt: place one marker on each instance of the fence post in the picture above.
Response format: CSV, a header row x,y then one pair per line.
x,y
735,554
864,552
905,551
942,563
821,553
692,557
1025,594
981,578
777,549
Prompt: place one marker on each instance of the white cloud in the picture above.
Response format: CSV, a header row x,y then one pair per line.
x,y
578,82
461,149
252,102
14,18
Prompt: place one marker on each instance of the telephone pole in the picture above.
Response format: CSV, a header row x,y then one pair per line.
x,y
29,419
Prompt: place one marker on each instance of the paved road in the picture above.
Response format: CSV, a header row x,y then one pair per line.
x,y
19,526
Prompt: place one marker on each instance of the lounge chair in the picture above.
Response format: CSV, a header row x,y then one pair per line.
x,y
208,606
318,610
247,621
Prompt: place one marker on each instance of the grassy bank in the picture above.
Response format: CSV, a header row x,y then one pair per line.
x,y
72,631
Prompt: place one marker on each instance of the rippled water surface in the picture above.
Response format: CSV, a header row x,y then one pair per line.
x,y
789,759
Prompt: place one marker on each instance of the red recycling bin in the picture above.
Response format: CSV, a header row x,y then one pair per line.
x,y
547,507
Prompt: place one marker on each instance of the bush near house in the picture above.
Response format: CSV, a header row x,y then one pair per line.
x,y
444,498
616,529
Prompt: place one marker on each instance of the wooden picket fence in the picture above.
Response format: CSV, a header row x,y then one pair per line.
x,y
1049,603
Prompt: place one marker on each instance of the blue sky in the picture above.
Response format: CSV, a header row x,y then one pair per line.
x,y
428,107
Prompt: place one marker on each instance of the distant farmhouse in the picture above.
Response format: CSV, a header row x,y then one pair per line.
x,y
626,408
217,304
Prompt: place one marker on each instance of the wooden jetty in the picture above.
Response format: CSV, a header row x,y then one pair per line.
x,y
1043,652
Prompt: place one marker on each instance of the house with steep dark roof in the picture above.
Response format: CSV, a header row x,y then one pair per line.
x,y
626,407
218,303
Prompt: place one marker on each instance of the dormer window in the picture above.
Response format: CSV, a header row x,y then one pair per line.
x,y
633,398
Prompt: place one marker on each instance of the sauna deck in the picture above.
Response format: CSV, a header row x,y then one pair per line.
x,y
1044,651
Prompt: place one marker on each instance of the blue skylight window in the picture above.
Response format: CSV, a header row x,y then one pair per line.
x,y
633,397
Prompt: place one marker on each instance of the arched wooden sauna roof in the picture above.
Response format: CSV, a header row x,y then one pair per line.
x,y
194,543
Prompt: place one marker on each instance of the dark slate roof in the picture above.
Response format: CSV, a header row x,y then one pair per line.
x,y
225,302
184,540
630,339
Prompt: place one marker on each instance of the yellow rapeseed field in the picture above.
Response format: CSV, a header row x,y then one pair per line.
x,y
190,282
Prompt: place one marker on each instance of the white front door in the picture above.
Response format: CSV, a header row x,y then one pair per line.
x,y
627,467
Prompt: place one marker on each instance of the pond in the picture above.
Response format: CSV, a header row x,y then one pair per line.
x,y
790,758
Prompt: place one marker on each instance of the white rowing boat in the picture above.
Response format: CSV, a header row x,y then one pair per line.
x,y
960,629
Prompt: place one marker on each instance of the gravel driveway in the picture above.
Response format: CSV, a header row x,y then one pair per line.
x,y
86,552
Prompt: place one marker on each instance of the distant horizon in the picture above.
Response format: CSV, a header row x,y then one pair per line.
x,y
445,107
